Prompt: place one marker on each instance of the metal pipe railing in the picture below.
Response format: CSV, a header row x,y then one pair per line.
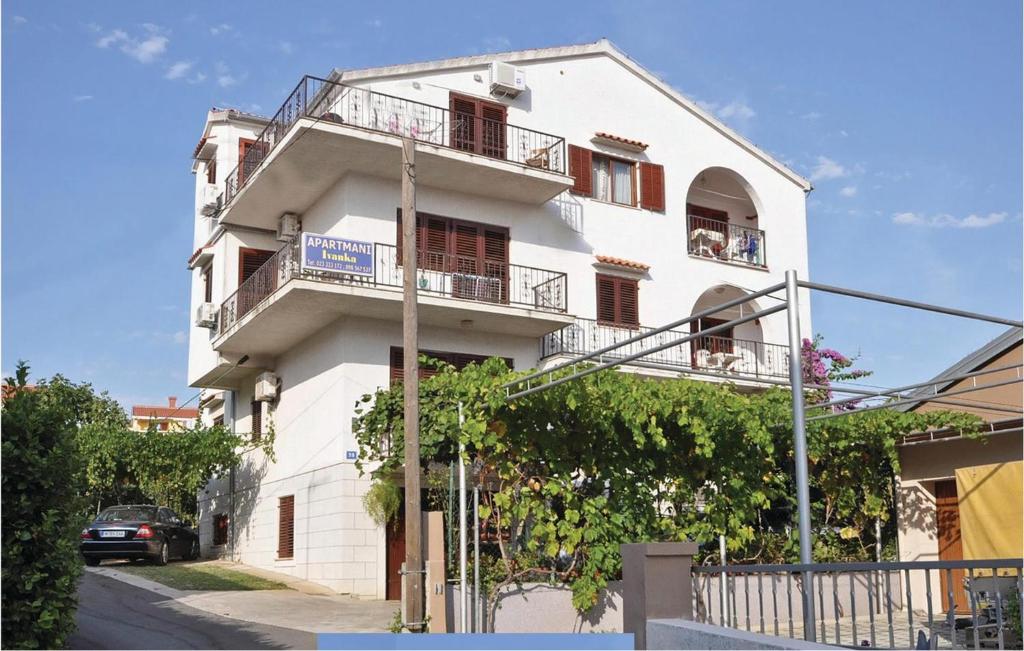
x,y
333,102
887,595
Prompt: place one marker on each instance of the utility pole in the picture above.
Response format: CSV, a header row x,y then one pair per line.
x,y
414,576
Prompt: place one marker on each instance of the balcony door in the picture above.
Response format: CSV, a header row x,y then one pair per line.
x,y
478,126
715,227
472,256
947,521
254,281
721,342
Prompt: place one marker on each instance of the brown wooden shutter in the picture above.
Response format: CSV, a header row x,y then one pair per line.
x,y
463,122
581,169
618,301
256,408
249,260
211,171
208,284
458,360
652,187
286,527
492,120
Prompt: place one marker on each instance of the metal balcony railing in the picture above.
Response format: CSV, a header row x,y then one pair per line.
x,y
724,355
440,274
718,240
330,101
887,605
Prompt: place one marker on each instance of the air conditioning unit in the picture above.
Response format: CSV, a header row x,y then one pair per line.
x,y
266,386
507,80
212,200
206,315
288,226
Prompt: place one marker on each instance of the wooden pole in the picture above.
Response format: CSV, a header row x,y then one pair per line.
x,y
414,576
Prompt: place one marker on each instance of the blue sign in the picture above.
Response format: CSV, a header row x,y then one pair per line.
x,y
323,253
351,455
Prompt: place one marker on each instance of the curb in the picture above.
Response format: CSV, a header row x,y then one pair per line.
x,y
139,582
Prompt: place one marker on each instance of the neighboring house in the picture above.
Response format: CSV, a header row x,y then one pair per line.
x,y
566,201
164,418
960,496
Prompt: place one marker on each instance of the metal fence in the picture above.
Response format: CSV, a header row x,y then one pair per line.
x,y
337,103
952,604
441,274
724,355
711,238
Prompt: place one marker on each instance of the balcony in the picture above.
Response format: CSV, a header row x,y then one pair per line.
x,y
326,129
282,303
725,242
725,356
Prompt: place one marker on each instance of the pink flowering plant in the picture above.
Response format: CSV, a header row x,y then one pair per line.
x,y
823,366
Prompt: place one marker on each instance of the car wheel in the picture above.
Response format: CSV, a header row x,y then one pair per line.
x,y
193,553
92,562
163,556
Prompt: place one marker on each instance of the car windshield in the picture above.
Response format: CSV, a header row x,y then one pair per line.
x,y
126,513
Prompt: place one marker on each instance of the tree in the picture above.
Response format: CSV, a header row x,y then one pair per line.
x,y
572,472
41,493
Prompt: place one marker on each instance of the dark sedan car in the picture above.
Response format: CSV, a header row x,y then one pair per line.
x,y
136,532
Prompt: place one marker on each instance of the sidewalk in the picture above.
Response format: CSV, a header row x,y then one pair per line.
x,y
304,606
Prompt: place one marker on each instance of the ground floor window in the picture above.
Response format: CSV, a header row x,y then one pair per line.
x,y
220,529
286,527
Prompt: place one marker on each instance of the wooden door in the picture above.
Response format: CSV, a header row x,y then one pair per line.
x,y
478,125
395,540
947,519
717,343
250,261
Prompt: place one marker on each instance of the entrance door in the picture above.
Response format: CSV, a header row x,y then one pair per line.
x,y
947,518
717,343
396,553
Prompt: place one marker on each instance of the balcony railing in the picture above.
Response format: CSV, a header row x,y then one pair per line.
x,y
723,355
331,101
718,240
439,274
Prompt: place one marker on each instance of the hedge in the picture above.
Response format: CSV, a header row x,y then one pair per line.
x,y
42,518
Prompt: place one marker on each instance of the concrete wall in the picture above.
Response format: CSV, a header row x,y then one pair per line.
x,y
543,608
681,634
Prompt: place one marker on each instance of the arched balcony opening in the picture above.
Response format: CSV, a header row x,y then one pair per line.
x,y
739,349
722,219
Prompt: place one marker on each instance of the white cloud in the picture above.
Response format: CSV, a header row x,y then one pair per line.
x,y
285,47
225,78
811,115
82,98
178,69
144,49
223,28
497,44
949,221
376,23
179,336
827,169
738,110
19,20
848,191
199,77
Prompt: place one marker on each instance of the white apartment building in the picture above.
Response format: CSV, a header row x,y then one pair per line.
x,y
567,198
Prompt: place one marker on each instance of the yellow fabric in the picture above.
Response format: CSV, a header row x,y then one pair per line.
x,y
991,507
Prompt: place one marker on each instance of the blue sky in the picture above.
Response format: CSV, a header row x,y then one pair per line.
x,y
906,115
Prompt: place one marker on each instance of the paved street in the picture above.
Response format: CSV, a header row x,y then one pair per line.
x,y
115,615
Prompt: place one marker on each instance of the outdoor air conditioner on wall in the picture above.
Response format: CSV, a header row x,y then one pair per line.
x,y
507,80
288,226
206,315
212,199
266,387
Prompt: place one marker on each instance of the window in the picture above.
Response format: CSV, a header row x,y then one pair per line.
x,y
247,162
458,360
478,125
220,529
257,420
208,284
286,527
612,179
211,171
617,301
249,262
476,254
219,421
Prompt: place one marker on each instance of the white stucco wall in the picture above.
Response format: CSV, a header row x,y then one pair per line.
x,y
336,544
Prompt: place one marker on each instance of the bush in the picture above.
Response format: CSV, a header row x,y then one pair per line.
x,y
42,517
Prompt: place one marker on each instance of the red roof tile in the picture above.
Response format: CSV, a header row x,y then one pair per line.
x,y
145,411
619,262
625,141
